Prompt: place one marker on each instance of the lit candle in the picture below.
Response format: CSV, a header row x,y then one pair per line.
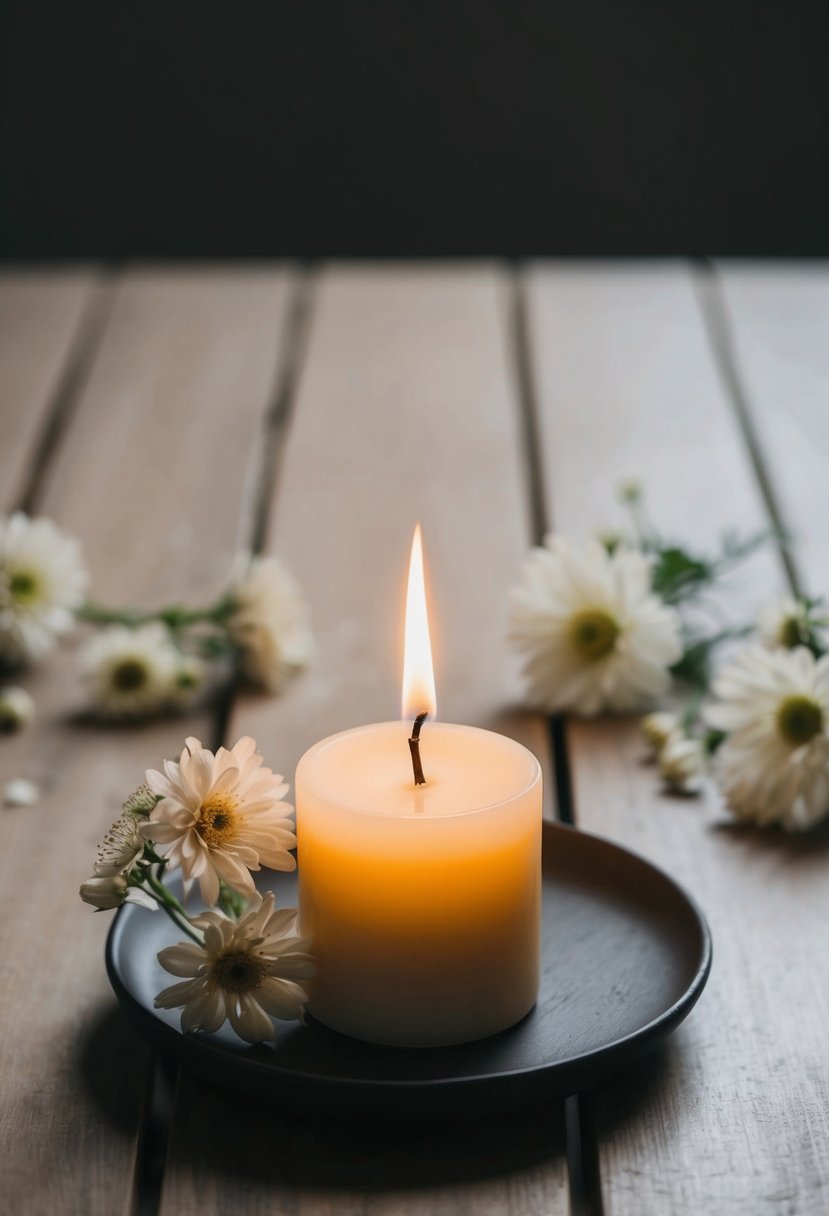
x,y
422,900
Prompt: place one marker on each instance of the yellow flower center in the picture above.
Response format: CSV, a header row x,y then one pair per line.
x,y
799,719
129,675
593,633
790,633
24,586
239,971
217,820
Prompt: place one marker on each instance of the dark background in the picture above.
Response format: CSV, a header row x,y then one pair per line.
x,y
294,127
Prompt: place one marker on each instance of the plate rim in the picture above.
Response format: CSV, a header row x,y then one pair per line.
x,y
193,1046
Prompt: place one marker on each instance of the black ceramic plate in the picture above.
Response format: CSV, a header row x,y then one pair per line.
x,y
625,955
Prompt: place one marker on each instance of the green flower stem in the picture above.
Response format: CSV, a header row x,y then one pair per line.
x,y
171,906
184,925
174,617
691,713
163,893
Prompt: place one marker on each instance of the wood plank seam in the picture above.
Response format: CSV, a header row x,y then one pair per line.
x,y
294,345
585,1180
79,361
583,1172
720,333
526,396
153,1136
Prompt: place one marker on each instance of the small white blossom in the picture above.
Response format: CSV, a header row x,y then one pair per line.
x,y
246,972
774,764
220,817
593,634
42,584
140,801
130,673
16,708
682,764
122,845
269,624
20,791
657,728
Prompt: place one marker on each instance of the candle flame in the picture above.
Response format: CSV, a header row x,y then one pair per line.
x,y
418,672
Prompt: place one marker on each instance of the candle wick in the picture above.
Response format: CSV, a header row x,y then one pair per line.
x,y
414,748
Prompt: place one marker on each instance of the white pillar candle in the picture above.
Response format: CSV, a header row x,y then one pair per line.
x,y
423,903
420,886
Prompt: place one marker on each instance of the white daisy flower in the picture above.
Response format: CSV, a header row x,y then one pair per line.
x,y
682,764
42,584
269,623
130,673
786,622
16,708
110,891
246,972
122,845
594,635
774,765
657,729
220,817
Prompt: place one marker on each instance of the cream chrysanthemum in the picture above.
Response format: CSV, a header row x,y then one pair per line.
x,y
131,673
220,817
246,972
269,624
593,634
774,764
42,584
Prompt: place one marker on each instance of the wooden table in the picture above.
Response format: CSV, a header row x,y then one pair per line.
x,y
169,417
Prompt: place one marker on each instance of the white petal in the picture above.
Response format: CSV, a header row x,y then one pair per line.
x,y
186,958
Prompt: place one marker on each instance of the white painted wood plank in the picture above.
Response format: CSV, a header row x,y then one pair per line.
x,y
41,313
405,411
153,476
733,1118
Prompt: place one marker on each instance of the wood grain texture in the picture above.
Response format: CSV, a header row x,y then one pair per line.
x,y
780,330
405,412
732,1117
41,316
154,477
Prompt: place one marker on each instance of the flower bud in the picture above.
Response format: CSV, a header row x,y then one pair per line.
x,y
630,491
16,708
682,764
104,893
657,729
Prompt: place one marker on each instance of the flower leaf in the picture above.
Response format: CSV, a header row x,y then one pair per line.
x,y
677,574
